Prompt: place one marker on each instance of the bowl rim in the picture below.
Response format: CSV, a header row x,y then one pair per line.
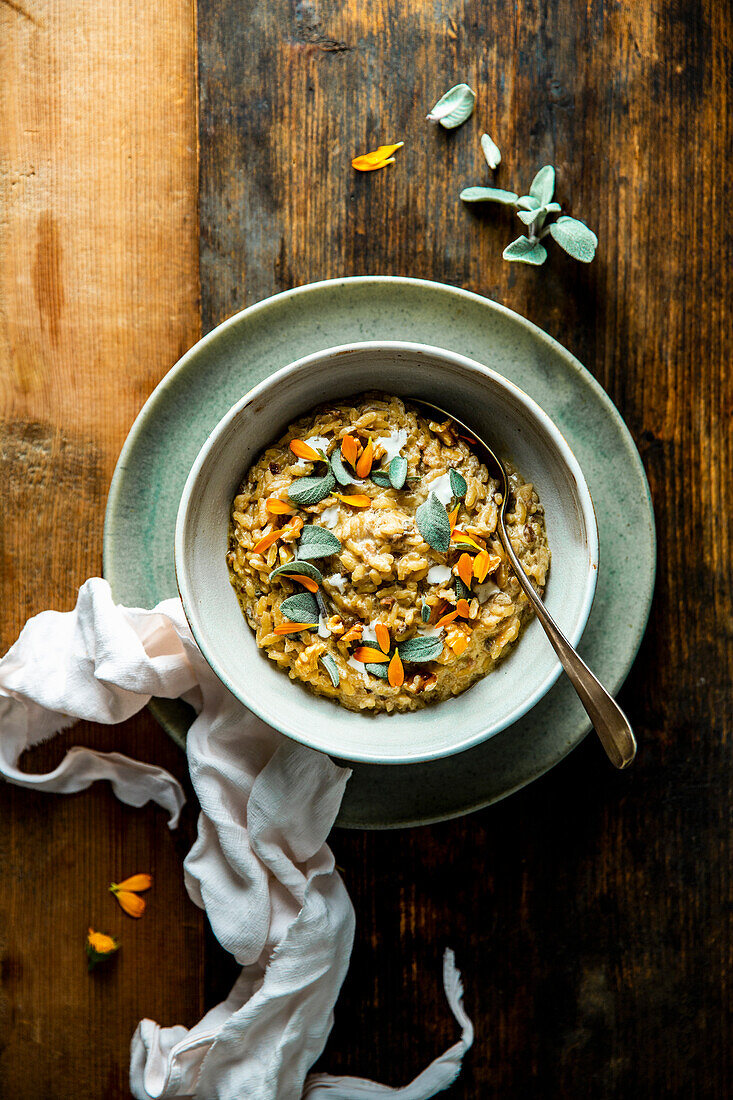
x,y
186,592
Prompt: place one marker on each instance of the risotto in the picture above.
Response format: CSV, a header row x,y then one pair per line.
x,y
364,552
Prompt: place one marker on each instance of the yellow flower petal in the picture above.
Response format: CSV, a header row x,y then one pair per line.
x,y
135,882
378,158
101,943
133,905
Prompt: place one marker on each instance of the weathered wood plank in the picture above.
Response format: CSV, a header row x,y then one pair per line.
x,y
589,912
98,297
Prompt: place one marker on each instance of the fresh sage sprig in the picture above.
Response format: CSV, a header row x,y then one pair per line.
x,y
572,235
317,542
433,524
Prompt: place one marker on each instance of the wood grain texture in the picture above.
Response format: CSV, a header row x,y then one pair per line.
x,y
591,912
98,298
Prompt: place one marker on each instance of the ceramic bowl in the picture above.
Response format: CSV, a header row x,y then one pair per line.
x,y
510,422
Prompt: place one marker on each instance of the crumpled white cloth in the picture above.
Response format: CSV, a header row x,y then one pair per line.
x,y
260,865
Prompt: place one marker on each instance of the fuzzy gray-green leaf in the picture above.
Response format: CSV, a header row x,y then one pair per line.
x,y
433,524
458,484
537,217
330,666
420,649
380,670
576,238
398,471
340,472
542,187
300,608
381,478
425,612
488,194
312,490
463,592
454,107
525,252
317,542
491,151
304,568
528,202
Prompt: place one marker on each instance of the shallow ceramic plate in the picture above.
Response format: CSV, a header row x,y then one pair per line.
x,y
192,398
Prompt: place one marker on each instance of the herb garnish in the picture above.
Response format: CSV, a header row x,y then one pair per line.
x,y
433,524
317,542
312,490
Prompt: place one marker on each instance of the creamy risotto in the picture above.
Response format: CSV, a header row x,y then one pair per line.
x,y
364,552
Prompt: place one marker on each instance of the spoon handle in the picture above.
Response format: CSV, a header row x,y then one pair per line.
x,y
609,721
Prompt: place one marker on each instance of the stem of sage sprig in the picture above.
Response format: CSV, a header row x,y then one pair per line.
x,y
572,235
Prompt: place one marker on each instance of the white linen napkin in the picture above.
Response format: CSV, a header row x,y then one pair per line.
x,y
260,865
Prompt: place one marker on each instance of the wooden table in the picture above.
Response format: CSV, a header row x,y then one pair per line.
x,y
589,913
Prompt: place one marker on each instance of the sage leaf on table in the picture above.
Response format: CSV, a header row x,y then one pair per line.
x,y
312,490
380,670
525,251
433,524
533,210
491,151
458,484
576,238
300,608
398,471
339,471
331,668
297,567
381,478
489,194
542,186
454,107
317,542
420,649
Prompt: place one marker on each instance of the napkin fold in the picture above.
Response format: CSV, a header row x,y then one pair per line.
x,y
260,866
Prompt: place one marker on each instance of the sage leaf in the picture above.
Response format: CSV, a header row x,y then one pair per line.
x,y
528,202
576,238
542,187
458,484
381,478
491,151
300,608
317,542
330,666
463,592
398,471
380,670
489,194
303,568
425,612
312,490
525,251
537,216
420,649
339,471
321,603
454,107
433,524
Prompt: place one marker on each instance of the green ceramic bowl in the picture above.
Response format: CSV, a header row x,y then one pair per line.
x,y
517,429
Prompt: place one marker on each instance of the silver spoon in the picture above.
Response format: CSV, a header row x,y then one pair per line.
x,y
609,721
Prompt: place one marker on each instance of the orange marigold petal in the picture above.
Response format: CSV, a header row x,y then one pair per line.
x,y
369,656
382,637
307,582
135,882
294,628
460,644
358,500
465,569
266,541
304,450
481,566
133,904
453,516
364,464
278,507
349,449
378,158
447,618
396,671
461,536
463,609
